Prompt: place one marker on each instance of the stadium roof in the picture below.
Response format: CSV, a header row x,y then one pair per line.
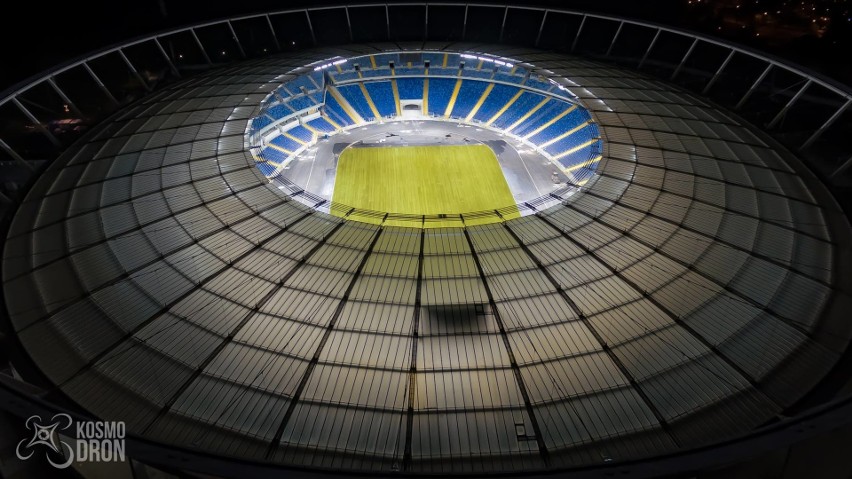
x,y
686,296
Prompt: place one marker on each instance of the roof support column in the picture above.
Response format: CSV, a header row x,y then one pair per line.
x,y
35,121
827,124
753,87
100,83
236,39
311,27
577,36
348,23
133,70
541,29
166,56
464,24
650,47
718,73
789,104
683,60
14,154
272,31
614,38
200,46
503,25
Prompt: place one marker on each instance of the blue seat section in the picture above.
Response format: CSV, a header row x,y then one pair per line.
x,y
410,88
345,76
440,90
268,101
573,140
533,83
469,94
410,71
267,169
508,78
453,60
337,117
301,133
539,118
302,81
560,126
335,111
581,156
366,64
583,114
474,73
286,143
497,99
273,156
301,102
443,71
381,92
260,122
383,59
279,111
575,158
507,70
352,94
317,77
321,124
522,105
316,97
379,72
435,59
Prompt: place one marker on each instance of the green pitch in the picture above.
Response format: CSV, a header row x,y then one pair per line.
x,y
423,180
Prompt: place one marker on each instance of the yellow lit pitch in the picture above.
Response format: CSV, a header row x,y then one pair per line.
x,y
423,180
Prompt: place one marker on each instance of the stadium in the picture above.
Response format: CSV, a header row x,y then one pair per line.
x,y
574,245
417,113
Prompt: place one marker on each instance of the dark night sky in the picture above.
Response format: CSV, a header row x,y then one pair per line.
x,y
40,35
64,30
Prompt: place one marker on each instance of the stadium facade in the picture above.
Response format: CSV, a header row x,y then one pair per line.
x,y
678,300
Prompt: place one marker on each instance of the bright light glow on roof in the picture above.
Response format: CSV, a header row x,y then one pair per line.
x,y
330,64
486,59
